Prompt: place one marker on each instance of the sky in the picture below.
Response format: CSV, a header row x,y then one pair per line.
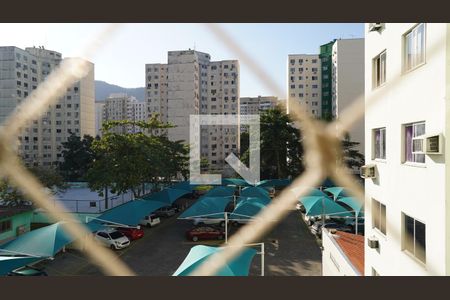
x,y
121,59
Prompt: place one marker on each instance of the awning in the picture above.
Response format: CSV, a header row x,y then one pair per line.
x,y
254,191
221,191
130,213
274,182
183,185
10,263
317,205
45,241
168,195
207,207
336,191
248,207
355,204
239,266
235,182
311,192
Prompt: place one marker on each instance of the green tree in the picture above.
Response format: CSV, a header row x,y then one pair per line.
x,y
49,177
351,156
77,156
125,161
245,141
281,149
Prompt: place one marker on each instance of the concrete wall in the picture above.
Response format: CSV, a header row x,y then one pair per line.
x,y
21,219
419,190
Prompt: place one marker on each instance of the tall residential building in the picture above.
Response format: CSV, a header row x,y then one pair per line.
x,y
120,107
304,82
407,129
254,105
21,72
325,56
347,81
191,84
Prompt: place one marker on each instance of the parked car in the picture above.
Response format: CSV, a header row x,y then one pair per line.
x,y
205,233
112,238
316,228
166,211
150,220
209,221
28,271
132,233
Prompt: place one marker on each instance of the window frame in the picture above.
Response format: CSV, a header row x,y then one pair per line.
x,y
374,144
413,254
405,68
379,227
415,161
376,83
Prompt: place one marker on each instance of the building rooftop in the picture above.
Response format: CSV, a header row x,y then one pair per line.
x,y
7,211
352,245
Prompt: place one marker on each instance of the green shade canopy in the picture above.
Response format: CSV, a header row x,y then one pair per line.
x,y
221,191
168,195
239,266
318,205
336,191
254,191
10,263
354,203
207,207
311,192
183,185
235,182
45,241
248,207
130,213
274,182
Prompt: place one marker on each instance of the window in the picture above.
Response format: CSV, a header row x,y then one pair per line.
x,y
414,47
379,216
5,226
414,237
92,204
411,131
314,61
379,69
379,143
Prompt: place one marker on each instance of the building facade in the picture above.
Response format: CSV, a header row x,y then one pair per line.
x,y
407,72
21,72
99,106
191,84
255,105
325,56
121,107
304,82
347,83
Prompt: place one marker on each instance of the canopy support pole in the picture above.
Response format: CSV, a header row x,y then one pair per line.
x,y
226,227
262,259
356,222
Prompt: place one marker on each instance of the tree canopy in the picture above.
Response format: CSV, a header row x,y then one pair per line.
x,y
77,156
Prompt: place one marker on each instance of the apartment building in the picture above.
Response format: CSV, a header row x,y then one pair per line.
x,y
407,73
347,82
304,82
325,56
191,84
40,141
255,105
120,107
99,106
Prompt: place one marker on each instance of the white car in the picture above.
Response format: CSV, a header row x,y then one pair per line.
x,y
206,221
150,221
112,238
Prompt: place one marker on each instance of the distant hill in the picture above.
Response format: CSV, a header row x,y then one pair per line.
x,y
103,89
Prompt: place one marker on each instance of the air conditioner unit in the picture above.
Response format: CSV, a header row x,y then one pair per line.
x,y
367,171
372,243
418,144
376,27
433,144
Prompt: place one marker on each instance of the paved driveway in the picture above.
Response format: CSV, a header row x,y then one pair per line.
x,y
290,251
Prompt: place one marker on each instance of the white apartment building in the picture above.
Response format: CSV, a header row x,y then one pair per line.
x,y
120,107
191,84
304,82
21,71
254,105
348,82
407,73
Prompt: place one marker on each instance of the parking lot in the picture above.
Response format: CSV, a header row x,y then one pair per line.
x,y
290,250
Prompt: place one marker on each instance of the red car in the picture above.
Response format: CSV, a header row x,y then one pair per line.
x,y
131,233
205,233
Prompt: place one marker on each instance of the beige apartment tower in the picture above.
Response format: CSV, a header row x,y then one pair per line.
x,y
191,84
21,72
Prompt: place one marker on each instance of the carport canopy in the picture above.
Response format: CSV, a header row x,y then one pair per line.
x,y
355,204
168,195
10,263
248,207
254,191
207,207
221,191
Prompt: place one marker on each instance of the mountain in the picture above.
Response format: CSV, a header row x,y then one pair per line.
x,y
103,89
